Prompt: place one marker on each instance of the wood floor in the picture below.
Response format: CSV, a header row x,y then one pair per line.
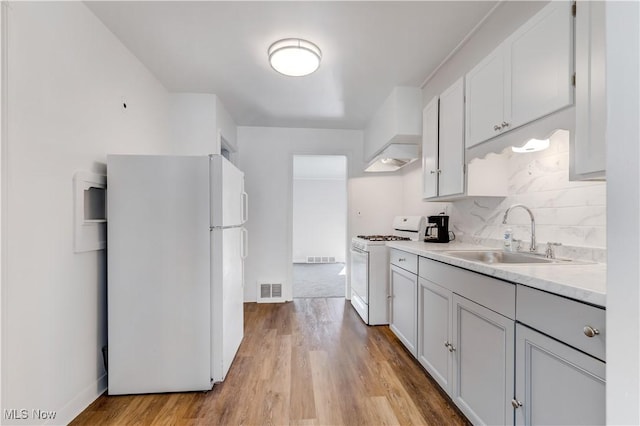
x,y
306,362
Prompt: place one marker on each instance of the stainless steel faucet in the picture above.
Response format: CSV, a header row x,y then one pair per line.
x,y
532,247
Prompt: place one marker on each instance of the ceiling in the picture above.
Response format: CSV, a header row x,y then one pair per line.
x,y
221,47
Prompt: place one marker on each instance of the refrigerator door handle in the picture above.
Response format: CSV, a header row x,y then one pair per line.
x,y
244,251
245,207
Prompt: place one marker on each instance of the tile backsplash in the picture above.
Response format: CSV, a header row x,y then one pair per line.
x,y
572,213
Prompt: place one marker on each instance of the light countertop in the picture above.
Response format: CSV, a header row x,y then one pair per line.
x,y
580,281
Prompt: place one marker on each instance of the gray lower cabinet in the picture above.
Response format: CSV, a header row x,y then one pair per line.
x,y
504,356
466,347
483,356
434,331
403,320
560,360
555,383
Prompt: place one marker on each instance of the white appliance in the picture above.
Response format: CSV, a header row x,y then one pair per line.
x,y
370,268
176,246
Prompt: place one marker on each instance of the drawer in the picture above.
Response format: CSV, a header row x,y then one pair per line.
x,y
404,260
497,295
563,319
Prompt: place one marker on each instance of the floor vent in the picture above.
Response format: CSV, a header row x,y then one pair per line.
x,y
321,259
270,293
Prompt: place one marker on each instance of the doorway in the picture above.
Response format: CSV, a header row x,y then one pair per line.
x,y
319,225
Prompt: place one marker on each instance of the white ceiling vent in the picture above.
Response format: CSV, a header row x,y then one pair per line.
x,y
270,293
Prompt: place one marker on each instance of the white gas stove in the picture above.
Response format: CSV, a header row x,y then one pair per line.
x,y
370,268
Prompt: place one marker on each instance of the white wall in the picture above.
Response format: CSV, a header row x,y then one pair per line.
x,y
226,126
374,200
623,198
193,123
319,218
266,156
68,79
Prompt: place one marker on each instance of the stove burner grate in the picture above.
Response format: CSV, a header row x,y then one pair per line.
x,y
383,238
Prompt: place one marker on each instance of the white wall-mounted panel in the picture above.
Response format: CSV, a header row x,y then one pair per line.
x,y
90,211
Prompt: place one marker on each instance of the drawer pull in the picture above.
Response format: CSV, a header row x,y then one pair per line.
x,y
449,346
590,331
402,259
516,404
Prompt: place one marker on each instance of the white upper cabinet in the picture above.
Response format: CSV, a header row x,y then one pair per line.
x,y
451,141
589,148
527,77
541,58
443,153
430,148
487,86
443,144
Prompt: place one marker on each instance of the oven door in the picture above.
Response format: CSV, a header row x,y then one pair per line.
x,y
360,273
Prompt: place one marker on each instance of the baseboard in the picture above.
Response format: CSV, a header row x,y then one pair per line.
x,y
81,401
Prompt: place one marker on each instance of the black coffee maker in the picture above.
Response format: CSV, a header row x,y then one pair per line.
x,y
437,229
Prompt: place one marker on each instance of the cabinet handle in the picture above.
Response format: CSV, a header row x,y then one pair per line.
x,y
590,331
516,404
452,348
402,259
447,344
497,127
433,172
504,124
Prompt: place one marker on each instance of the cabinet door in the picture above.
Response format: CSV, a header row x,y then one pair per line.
x,y
451,140
485,98
555,383
541,63
430,149
434,331
588,151
483,363
404,320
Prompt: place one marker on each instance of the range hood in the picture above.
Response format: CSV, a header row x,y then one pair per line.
x,y
394,157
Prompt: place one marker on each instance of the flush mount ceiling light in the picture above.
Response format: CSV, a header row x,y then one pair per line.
x,y
294,57
532,145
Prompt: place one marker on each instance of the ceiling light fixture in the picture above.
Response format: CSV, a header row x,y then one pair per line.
x,y
532,145
294,57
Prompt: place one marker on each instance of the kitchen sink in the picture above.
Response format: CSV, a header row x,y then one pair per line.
x,y
497,257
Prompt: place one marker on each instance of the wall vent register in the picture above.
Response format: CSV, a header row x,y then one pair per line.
x,y
270,293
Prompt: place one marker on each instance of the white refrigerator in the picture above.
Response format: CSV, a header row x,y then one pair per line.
x,y
176,248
